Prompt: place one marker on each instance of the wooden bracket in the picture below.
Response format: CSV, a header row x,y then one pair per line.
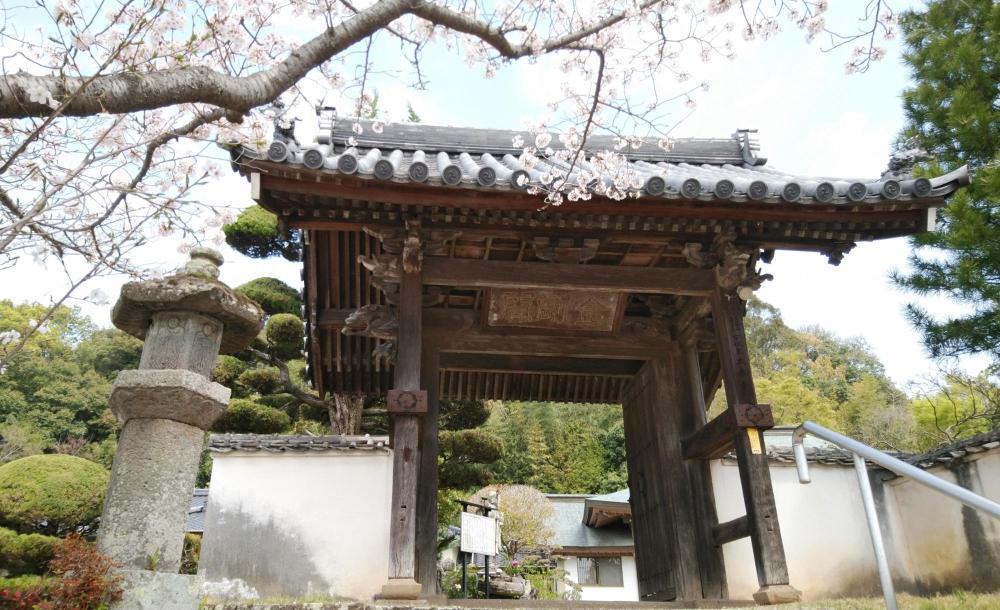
x,y
718,436
407,402
731,530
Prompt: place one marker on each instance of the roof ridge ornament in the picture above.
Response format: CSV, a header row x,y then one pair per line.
x,y
904,159
749,146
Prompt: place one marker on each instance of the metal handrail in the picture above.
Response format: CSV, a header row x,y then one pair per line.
x,y
862,452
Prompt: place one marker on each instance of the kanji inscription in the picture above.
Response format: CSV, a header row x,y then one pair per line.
x,y
554,309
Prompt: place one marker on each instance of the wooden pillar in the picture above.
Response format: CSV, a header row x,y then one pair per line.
x,y
406,403
664,503
755,476
427,490
693,417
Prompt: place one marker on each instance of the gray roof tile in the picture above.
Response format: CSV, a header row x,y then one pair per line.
x,y
281,443
701,169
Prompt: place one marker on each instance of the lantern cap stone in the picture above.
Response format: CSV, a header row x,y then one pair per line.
x,y
194,288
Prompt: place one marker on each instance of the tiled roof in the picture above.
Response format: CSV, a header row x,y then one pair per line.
x,y
699,169
958,450
196,512
571,532
834,456
282,443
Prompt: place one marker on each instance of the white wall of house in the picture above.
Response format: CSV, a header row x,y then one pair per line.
x,y
294,524
826,538
628,592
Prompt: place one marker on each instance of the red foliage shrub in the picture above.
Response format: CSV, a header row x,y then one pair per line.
x,y
85,578
22,599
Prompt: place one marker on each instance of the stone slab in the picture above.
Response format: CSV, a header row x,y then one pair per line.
x,y
401,588
174,394
777,594
146,590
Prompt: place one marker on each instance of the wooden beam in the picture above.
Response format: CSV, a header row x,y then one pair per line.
x,y
719,435
731,530
555,276
692,416
537,364
755,474
457,330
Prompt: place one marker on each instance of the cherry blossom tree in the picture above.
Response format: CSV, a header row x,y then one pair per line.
x,y
111,111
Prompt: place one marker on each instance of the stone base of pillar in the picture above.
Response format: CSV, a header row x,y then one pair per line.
x,y
401,588
148,590
777,594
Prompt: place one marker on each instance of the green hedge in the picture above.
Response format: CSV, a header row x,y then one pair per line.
x,y
51,494
248,416
26,553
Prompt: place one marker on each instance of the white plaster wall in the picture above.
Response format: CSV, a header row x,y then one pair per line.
x,y
627,593
300,524
822,524
930,530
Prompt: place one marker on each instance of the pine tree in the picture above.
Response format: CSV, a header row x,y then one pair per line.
x,y
953,48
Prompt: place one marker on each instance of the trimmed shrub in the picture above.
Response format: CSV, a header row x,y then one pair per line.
x,y
51,494
263,380
248,416
284,333
273,296
26,553
255,234
227,369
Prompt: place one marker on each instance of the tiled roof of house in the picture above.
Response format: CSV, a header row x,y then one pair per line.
x,y
572,533
196,512
694,169
282,443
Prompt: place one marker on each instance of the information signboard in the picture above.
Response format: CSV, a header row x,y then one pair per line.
x,y
479,534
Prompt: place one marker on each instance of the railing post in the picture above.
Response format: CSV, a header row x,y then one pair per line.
x,y
888,591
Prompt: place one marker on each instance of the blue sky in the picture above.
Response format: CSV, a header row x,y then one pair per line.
x,y
812,118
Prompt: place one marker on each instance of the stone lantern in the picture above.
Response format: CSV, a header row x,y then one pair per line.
x,y
165,407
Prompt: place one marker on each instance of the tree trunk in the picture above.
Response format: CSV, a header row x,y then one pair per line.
x,y
345,413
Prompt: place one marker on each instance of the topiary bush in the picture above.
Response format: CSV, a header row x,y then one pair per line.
x,y
263,380
273,295
228,369
284,334
247,416
51,494
255,233
26,553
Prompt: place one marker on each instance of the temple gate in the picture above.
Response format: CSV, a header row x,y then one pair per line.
x,y
431,273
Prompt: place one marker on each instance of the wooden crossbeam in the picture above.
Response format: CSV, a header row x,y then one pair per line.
x,y
458,330
719,436
537,364
557,276
731,530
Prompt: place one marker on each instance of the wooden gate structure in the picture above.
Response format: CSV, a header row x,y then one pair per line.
x,y
431,272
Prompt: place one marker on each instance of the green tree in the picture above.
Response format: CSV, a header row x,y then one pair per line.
x,y
956,405
953,50
51,386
